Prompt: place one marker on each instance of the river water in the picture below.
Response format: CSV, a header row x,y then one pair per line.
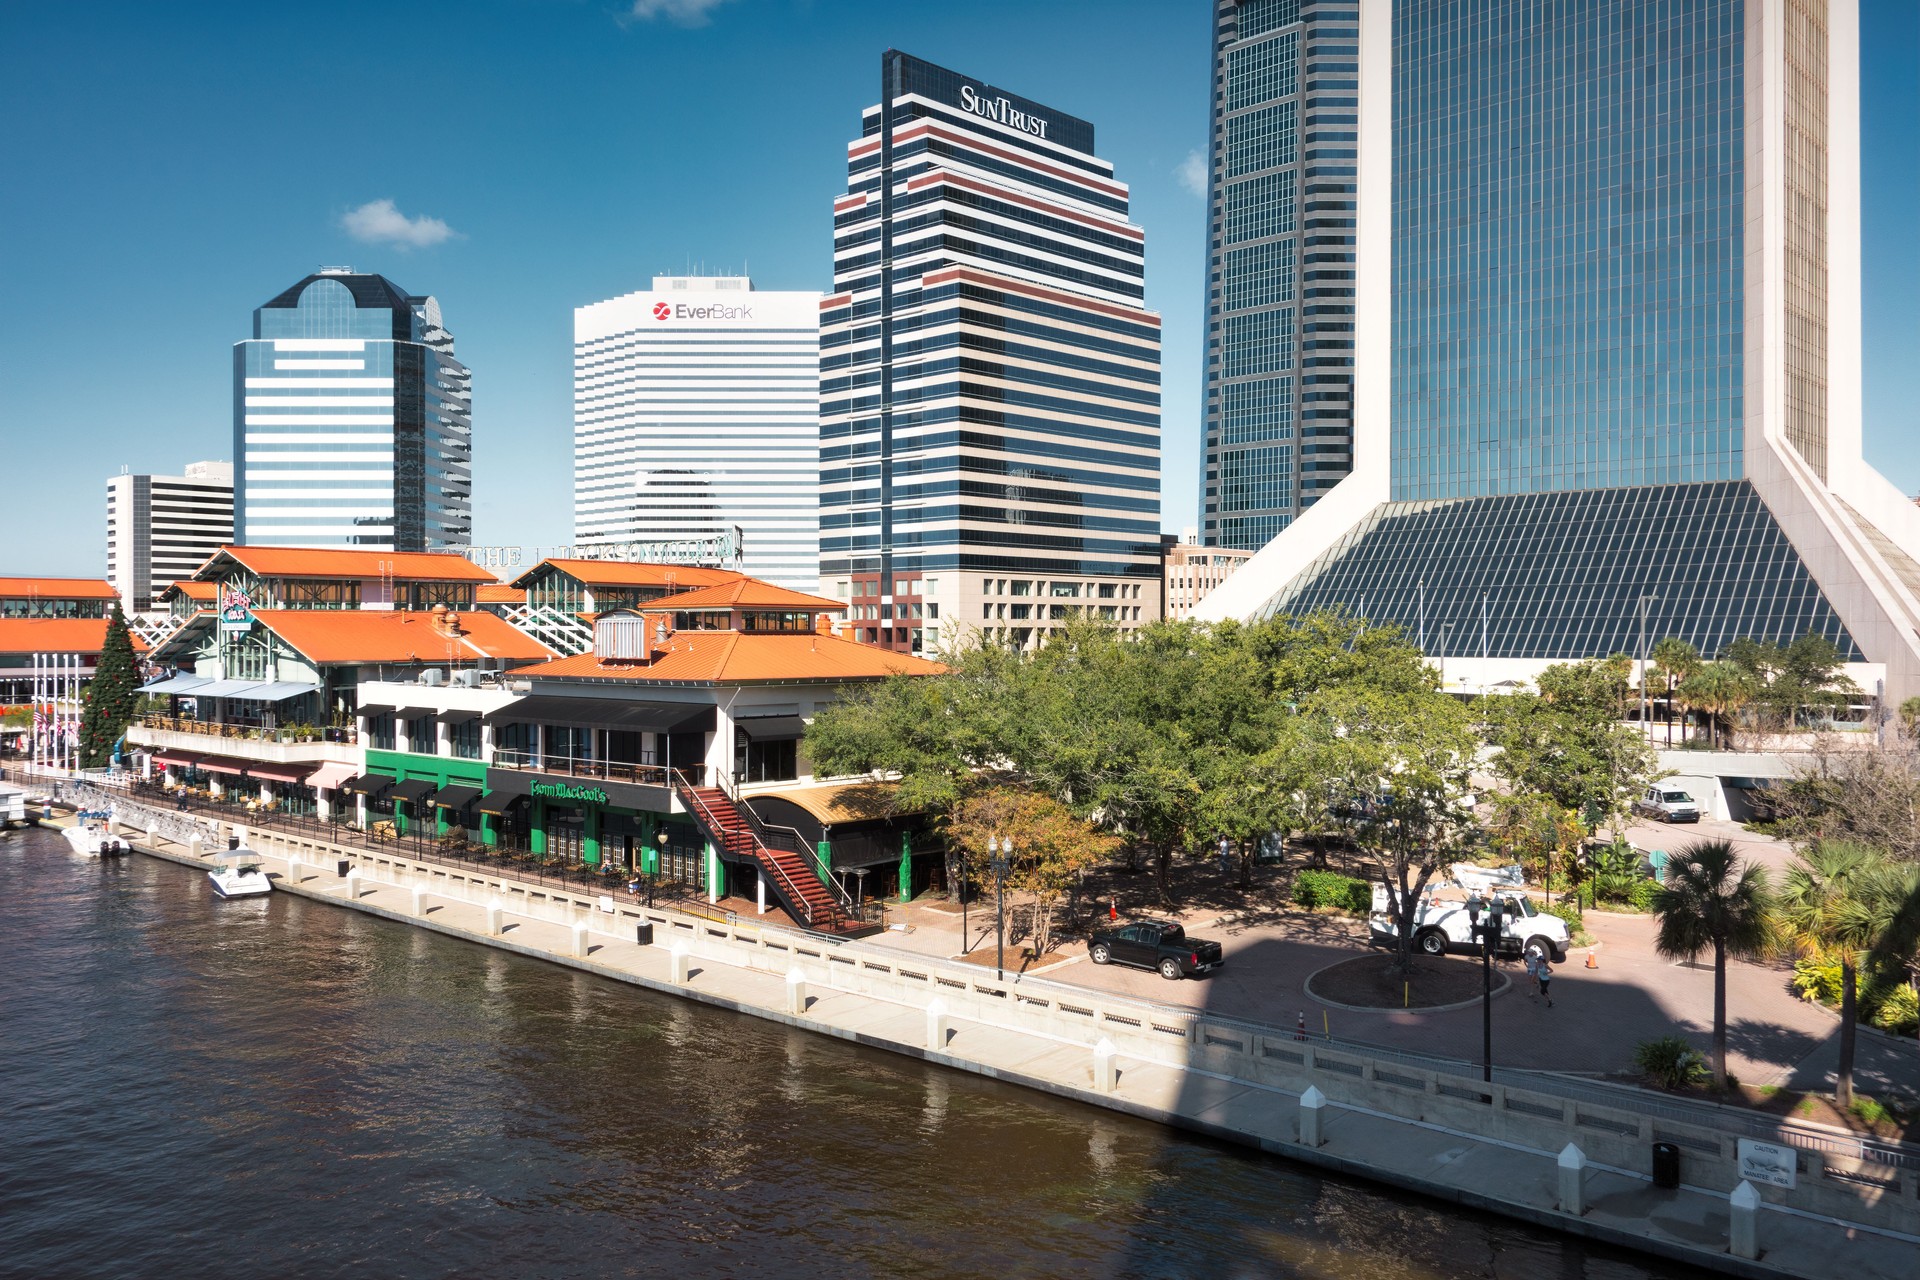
x,y
283,1088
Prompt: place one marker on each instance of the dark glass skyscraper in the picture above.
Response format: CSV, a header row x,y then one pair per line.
x,y
352,421
1606,339
1278,416
989,381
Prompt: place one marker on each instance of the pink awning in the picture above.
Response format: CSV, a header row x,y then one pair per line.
x,y
279,772
213,764
175,759
329,776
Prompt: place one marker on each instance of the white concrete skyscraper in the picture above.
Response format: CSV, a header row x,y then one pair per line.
x,y
696,408
162,528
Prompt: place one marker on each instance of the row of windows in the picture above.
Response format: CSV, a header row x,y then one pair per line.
x,y
1257,478
1256,411
1257,207
1263,139
1259,72
1261,342
1257,276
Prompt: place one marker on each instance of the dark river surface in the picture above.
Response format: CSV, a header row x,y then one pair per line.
x,y
281,1088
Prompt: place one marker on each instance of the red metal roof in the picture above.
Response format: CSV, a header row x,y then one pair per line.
x,y
337,562
58,589
733,657
57,635
336,636
627,573
747,593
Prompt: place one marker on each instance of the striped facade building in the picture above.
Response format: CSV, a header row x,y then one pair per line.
x,y
352,421
696,409
161,529
990,396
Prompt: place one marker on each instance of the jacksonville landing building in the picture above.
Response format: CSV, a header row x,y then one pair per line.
x,y
1605,330
989,380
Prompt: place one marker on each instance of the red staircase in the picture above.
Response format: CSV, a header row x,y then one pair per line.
x,y
791,873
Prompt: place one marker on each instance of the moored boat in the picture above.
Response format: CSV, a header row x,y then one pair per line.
x,y
239,875
93,841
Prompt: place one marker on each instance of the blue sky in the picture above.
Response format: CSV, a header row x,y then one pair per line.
x,y
167,168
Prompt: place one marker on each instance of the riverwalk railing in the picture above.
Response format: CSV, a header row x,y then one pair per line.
x,y
1839,1175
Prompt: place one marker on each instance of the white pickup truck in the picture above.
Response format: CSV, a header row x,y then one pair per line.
x,y
1442,924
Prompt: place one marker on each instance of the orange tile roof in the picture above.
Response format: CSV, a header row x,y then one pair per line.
x,y
500,593
731,657
57,635
391,635
58,588
193,590
746,593
626,573
339,562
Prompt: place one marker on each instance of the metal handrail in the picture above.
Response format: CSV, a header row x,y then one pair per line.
x,y
648,775
691,798
763,831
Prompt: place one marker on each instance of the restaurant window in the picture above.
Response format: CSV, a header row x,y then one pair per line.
x,y
464,739
380,731
434,595
773,760
421,736
296,594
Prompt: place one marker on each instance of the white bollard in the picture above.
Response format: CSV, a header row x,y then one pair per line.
x,y
580,940
1106,1066
1573,1180
419,901
240,834
682,960
1313,1105
796,992
153,835
353,885
1743,1222
295,872
496,917
197,845
937,1026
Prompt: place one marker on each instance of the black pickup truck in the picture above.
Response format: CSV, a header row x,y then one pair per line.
x,y
1155,944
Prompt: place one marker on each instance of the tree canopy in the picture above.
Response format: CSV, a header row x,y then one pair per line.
x,y
112,696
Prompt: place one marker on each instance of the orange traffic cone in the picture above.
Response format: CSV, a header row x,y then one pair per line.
x,y
1590,960
1301,1034
1113,908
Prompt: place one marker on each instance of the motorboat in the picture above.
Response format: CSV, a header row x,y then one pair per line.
x,y
93,841
239,875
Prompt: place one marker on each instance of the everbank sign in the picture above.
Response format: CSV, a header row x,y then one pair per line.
x,y
1001,110
682,311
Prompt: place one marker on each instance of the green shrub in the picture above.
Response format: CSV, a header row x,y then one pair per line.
x,y
1577,934
1331,889
1641,898
1870,1110
1899,1011
1670,1062
1813,980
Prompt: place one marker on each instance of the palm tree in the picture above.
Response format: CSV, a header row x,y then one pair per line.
x,y
1820,914
1889,904
1713,901
1676,660
1719,689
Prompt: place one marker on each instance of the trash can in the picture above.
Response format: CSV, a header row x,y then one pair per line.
x,y
342,868
233,842
643,933
1666,1166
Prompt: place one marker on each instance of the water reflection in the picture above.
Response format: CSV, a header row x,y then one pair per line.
x,y
283,1088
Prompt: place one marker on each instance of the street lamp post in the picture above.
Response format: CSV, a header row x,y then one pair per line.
x,y
1489,934
653,872
966,934
999,851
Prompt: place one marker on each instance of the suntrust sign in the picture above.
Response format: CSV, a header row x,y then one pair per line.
x,y
1000,109
683,311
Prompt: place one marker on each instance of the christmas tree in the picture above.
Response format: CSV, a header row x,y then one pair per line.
x,y
111,697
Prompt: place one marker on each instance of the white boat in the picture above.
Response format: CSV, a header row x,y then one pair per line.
x,y
93,841
13,806
239,875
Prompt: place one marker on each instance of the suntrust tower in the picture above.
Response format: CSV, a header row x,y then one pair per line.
x,y
989,381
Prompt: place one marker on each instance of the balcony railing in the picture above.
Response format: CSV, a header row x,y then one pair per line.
x,y
246,732
645,775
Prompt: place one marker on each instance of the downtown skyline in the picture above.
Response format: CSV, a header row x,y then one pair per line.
x,y
703,149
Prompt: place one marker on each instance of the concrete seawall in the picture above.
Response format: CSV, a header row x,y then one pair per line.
x,y
1492,1147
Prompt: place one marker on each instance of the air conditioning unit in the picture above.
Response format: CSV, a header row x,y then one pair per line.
x,y
433,676
466,679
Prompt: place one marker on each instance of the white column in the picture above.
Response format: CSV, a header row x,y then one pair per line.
x,y
1743,1222
1573,1180
1313,1105
760,889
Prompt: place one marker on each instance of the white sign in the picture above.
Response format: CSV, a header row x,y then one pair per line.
x,y
1003,111
1767,1162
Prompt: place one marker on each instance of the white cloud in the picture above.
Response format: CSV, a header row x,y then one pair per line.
x,y
379,222
1193,173
685,13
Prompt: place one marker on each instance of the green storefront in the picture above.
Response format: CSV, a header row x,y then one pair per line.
x,y
439,791
596,822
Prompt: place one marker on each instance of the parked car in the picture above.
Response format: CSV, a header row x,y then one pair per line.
x,y
1668,804
1155,944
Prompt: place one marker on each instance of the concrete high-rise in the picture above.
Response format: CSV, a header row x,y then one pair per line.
x,y
160,529
352,421
696,408
989,378
1606,339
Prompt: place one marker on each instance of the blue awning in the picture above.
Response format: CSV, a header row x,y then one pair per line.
x,y
278,691
176,684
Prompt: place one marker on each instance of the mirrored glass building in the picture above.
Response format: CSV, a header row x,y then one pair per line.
x,y
1606,338
352,421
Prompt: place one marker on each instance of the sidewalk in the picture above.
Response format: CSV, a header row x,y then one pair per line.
x,y
1688,1224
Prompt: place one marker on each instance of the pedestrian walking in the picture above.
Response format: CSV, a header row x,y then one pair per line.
x,y
1533,973
1545,974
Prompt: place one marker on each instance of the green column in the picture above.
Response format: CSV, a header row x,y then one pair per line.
x,y
906,867
537,833
823,859
650,827
439,821
400,808
590,837
489,830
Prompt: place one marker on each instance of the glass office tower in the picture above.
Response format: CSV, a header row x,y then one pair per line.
x,y
989,381
352,421
1607,342
1278,414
